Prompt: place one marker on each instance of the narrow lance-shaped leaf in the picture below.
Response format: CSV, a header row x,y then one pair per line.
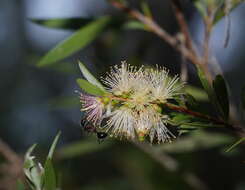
x,y
49,177
201,7
135,25
76,23
145,8
32,170
52,148
223,10
235,144
206,85
198,93
67,23
75,42
89,76
210,91
221,92
90,88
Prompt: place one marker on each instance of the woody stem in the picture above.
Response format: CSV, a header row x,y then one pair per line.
x,y
237,129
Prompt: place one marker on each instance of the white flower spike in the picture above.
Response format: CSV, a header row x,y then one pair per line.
x,y
132,107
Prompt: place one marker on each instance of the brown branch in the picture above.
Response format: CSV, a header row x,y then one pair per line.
x,y
12,170
188,40
208,22
189,54
8,153
237,129
155,28
183,25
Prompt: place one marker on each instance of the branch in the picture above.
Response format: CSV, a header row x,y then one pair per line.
x,y
237,129
188,40
155,28
8,153
12,170
189,54
183,25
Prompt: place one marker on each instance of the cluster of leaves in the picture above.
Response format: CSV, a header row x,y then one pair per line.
x,y
37,176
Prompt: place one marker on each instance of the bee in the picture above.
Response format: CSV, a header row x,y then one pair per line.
x,y
90,128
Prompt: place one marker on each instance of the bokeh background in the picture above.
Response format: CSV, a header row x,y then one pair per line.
x,y
35,103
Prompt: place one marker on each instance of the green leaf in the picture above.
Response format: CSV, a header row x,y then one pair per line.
x,y
201,7
90,88
235,144
29,151
49,178
222,12
134,25
221,92
179,118
209,90
67,23
220,7
31,170
145,8
90,78
52,148
198,93
200,125
190,101
205,82
75,42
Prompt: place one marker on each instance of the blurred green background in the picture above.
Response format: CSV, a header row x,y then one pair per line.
x,y
35,103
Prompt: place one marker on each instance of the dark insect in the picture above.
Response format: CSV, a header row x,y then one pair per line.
x,y
89,127
101,135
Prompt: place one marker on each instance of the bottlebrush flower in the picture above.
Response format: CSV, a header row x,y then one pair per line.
x,y
131,107
93,107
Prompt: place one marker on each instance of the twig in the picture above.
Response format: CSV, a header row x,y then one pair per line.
x,y
208,22
171,40
237,129
183,25
183,70
187,38
155,28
